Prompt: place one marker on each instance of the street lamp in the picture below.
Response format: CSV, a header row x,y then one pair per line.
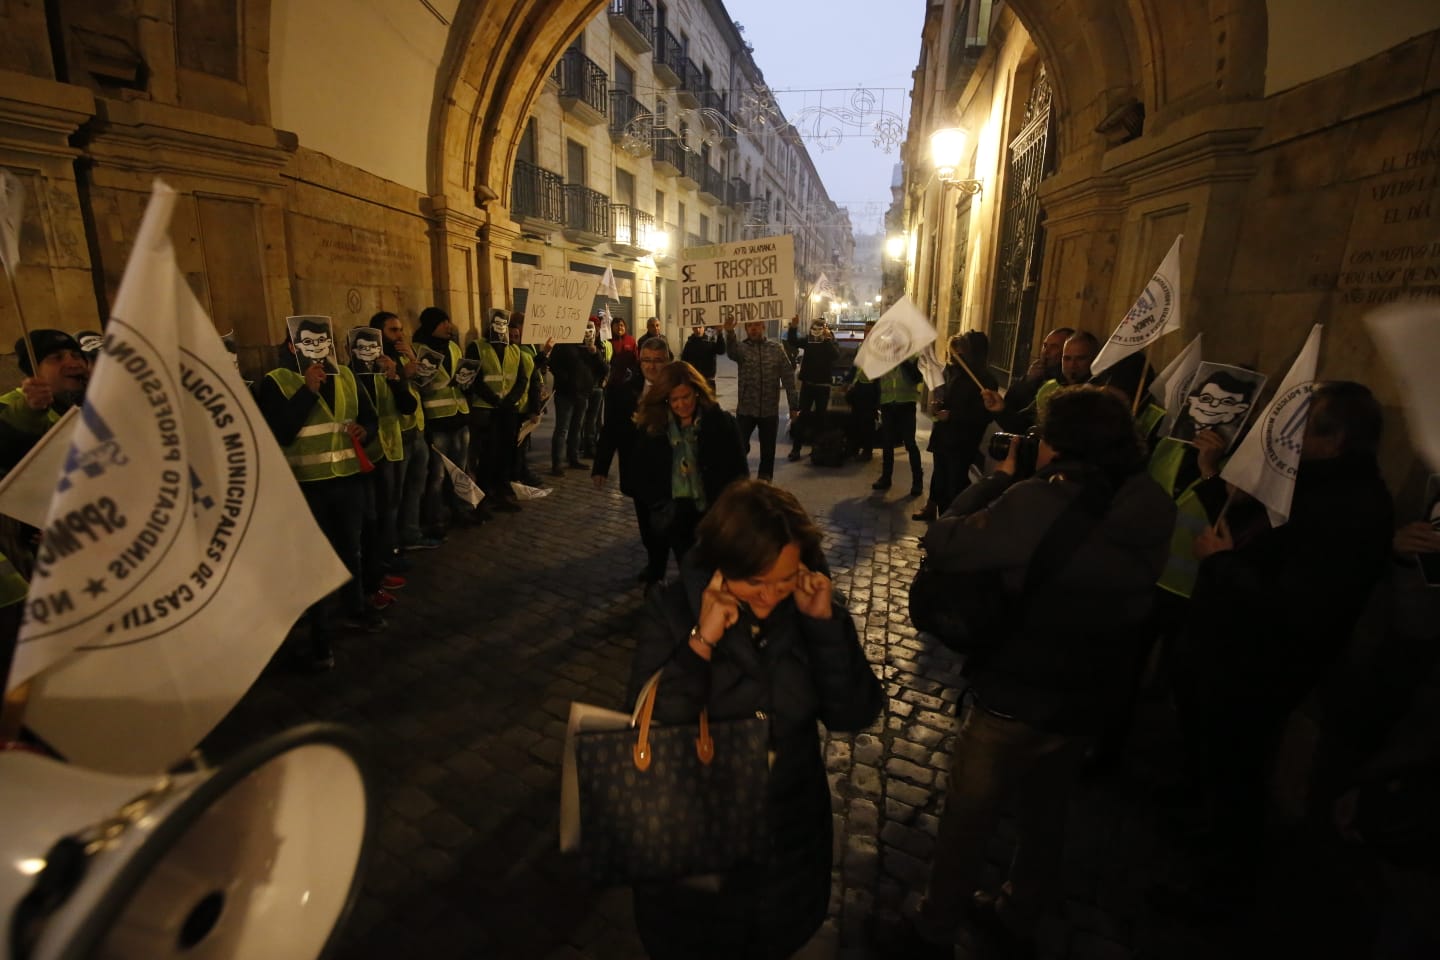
x,y
947,151
895,247
660,242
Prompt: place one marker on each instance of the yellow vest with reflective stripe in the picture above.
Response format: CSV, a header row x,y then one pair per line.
x,y
499,377
416,420
16,412
895,387
1191,520
1149,419
441,398
323,450
1042,398
386,442
13,587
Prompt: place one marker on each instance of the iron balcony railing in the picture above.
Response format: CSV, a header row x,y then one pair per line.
x,y
537,193
713,184
759,211
667,149
694,240
692,80
586,210
737,193
628,115
713,100
631,227
668,55
640,13
694,168
583,79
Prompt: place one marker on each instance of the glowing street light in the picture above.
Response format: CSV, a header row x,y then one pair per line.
x,y
895,247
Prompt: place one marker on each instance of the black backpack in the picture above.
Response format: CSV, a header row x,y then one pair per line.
x,y
973,612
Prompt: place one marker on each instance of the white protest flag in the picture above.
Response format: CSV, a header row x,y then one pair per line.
x,y
607,285
932,369
465,487
1155,313
1172,385
1408,338
12,208
823,288
178,549
1265,463
898,335
25,491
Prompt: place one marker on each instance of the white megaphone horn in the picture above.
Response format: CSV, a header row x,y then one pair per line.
x,y
260,857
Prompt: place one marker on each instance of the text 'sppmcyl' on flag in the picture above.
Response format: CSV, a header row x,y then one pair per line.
x,y
177,550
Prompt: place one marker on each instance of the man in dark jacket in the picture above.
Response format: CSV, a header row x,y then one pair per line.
x,y
618,436
1040,695
816,369
578,368
700,352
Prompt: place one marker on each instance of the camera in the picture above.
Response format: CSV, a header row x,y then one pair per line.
x,y
1026,451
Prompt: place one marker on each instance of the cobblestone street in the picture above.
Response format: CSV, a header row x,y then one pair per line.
x,y
463,702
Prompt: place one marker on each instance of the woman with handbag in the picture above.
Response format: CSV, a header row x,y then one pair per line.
x,y
751,630
687,451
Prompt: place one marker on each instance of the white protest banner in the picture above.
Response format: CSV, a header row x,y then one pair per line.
x,y
465,486
12,208
899,334
932,369
743,282
1172,385
178,549
1265,463
1408,338
1155,313
558,307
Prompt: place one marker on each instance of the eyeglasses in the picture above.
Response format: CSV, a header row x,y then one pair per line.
x,y
1209,401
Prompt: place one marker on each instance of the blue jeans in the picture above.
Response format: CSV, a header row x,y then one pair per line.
x,y
410,477
569,424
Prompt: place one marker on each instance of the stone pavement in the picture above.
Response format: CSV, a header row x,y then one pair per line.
x,y
463,703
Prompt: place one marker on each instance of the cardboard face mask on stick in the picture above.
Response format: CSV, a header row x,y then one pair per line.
x,y
427,365
364,344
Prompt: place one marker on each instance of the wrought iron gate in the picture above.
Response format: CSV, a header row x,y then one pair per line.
x,y
1017,273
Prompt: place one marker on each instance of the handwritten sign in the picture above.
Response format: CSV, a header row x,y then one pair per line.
x,y
558,306
745,281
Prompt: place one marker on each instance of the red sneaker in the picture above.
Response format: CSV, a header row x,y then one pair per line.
x,y
382,600
392,582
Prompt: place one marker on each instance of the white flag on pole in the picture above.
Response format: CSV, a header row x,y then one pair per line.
x,y
823,288
12,208
177,550
26,491
901,333
1265,463
1155,313
932,369
1408,337
465,486
607,285
1172,385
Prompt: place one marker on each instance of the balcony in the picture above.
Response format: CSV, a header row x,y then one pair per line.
x,y
584,87
537,200
634,22
669,159
712,185
737,194
632,231
669,58
692,84
694,240
630,124
587,215
692,172
759,211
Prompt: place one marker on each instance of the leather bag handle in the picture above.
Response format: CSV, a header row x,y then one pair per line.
x,y
644,709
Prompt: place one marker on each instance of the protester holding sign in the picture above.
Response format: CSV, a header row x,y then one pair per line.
x,y
446,410
762,371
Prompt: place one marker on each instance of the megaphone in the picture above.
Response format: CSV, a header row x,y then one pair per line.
x,y
261,857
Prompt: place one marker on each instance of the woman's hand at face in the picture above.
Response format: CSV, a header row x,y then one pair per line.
x,y
718,609
812,594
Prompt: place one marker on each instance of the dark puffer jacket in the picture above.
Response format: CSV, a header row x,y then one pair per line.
x,y
794,670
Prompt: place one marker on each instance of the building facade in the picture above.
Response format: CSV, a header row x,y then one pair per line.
x,y
1292,144
655,133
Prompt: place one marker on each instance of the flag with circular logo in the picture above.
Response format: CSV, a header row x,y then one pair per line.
x,y
1155,313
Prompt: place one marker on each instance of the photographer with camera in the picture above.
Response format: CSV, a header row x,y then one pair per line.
x,y
1057,572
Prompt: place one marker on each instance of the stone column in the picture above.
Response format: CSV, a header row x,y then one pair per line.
x,y
462,284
